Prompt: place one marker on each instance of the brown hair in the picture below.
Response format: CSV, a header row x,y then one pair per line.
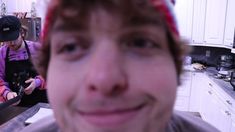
x,y
138,10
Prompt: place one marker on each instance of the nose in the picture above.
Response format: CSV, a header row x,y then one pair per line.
x,y
106,74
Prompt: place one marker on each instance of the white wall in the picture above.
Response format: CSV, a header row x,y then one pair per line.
x,y
25,6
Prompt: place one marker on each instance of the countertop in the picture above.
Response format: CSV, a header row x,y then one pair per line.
x,y
210,72
18,122
226,86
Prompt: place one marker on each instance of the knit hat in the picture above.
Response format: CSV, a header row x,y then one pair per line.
x,y
163,6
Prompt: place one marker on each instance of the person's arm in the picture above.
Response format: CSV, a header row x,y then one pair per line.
x,y
39,80
5,91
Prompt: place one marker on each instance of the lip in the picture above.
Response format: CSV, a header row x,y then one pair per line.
x,y
110,118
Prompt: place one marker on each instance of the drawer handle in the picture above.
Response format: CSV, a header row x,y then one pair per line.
x,y
228,113
210,84
228,102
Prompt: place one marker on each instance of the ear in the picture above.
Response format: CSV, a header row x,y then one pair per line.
x,y
24,31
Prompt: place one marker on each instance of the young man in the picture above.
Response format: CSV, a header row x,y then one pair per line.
x,y
113,66
15,64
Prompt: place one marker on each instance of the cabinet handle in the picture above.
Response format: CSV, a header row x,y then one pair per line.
x,y
228,102
228,113
210,92
210,85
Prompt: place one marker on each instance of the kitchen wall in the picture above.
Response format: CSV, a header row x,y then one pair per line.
x,y
208,55
25,6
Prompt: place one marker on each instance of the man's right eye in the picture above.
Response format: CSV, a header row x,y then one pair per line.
x,y
68,48
72,50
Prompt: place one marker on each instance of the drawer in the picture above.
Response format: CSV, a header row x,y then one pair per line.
x,y
182,103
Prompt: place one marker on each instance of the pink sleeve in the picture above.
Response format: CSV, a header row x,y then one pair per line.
x,y
40,82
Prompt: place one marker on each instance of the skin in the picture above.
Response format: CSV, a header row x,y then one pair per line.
x,y
16,45
104,79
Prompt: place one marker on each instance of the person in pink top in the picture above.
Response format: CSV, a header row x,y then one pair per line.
x,y
15,64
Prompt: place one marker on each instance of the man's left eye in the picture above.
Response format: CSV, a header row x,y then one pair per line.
x,y
142,43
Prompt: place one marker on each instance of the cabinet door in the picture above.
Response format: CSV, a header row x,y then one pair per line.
x,y
198,21
232,129
183,92
198,83
215,21
184,13
230,23
223,122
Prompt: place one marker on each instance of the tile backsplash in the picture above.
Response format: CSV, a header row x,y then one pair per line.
x,y
209,55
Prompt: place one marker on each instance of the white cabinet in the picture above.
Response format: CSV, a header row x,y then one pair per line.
x,y
230,23
183,92
198,83
207,22
198,21
199,93
215,21
232,129
184,15
217,107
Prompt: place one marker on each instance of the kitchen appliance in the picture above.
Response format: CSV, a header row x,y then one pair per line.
x,y
225,67
34,28
232,80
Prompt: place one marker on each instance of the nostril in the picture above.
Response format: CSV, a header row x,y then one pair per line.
x,y
117,89
92,88
108,91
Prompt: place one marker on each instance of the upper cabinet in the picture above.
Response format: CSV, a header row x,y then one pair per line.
x,y
215,21
212,21
184,10
198,29
230,23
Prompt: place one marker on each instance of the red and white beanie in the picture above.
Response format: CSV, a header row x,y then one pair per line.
x,y
163,6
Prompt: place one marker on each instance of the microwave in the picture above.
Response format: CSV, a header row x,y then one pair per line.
x,y
34,28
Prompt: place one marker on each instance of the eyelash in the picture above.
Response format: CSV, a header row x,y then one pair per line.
x,y
73,49
141,44
67,48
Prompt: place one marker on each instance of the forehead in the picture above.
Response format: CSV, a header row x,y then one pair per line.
x,y
71,18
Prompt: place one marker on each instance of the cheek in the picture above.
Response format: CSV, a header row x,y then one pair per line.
x,y
61,84
157,79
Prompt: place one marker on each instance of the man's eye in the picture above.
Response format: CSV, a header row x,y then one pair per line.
x,y
142,44
68,48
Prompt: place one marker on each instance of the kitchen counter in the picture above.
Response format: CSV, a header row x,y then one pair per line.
x,y
226,86
210,72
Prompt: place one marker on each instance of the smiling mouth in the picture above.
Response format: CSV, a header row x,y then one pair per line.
x,y
109,118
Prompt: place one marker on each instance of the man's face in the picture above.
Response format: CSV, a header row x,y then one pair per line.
x,y
15,44
110,76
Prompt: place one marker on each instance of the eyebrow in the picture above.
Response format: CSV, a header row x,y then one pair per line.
x,y
69,26
143,21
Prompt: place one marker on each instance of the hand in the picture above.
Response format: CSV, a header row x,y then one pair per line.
x,y
31,87
12,95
